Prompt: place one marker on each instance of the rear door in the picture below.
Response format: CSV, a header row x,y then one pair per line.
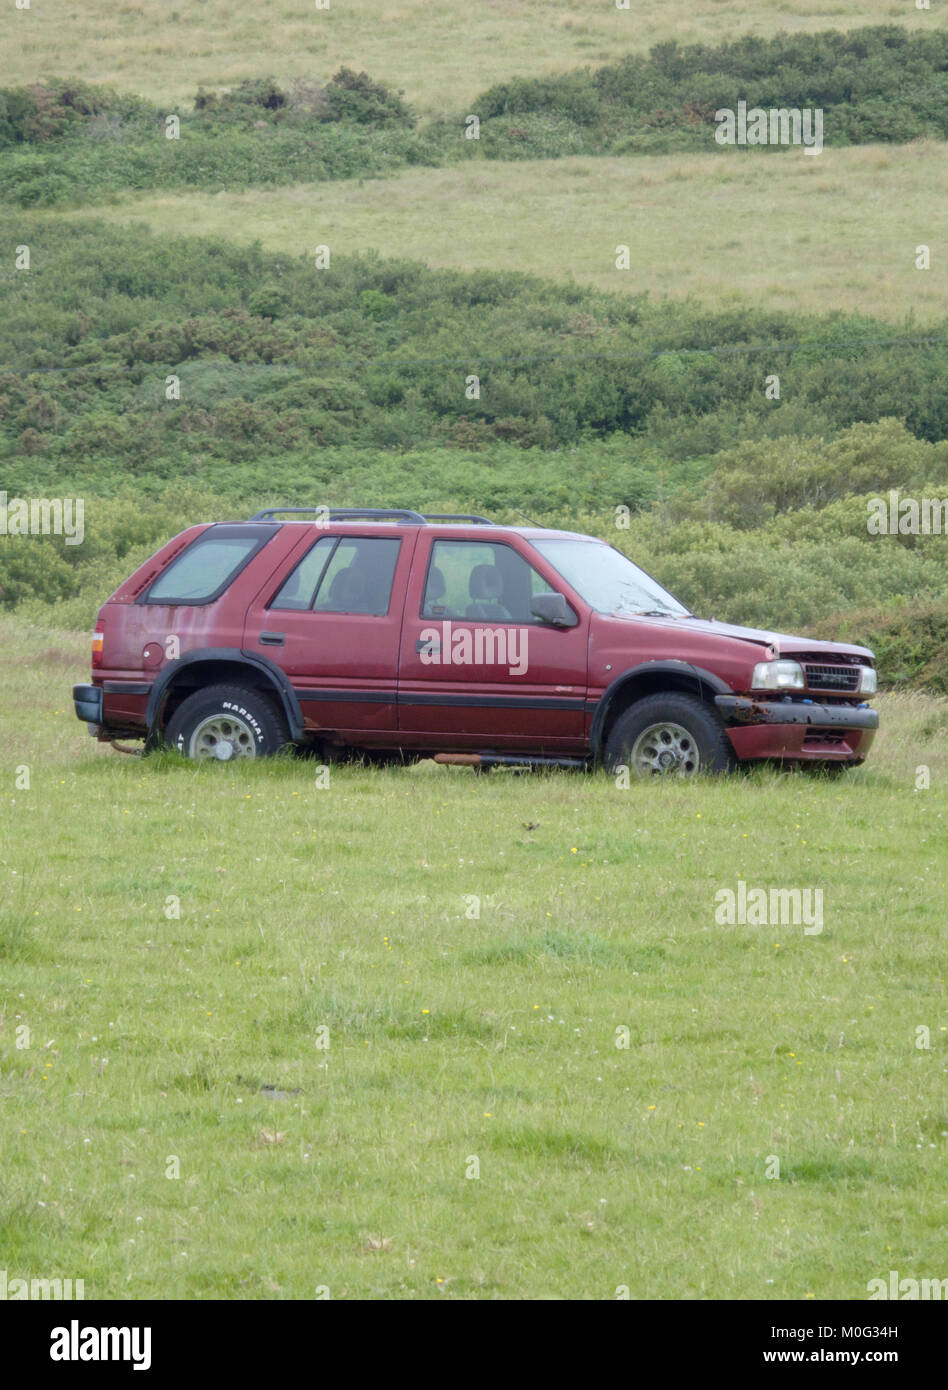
x,y
332,622
476,669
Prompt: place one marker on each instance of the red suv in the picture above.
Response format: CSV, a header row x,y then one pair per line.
x,y
449,636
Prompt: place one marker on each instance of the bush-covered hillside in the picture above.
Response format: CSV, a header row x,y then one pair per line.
x,y
70,141
353,385
67,141
277,359
874,84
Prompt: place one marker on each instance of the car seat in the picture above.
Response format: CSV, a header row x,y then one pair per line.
x,y
434,593
485,587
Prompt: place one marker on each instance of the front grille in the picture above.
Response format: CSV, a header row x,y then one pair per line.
x,y
844,678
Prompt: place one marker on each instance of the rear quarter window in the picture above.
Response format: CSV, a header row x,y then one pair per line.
x,y
209,566
343,574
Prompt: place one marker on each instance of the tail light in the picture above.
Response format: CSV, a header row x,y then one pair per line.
x,y
98,637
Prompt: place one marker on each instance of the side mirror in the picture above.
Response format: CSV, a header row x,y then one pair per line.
x,y
553,609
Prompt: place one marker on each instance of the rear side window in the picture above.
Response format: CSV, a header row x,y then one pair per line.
x,y
209,565
351,574
300,589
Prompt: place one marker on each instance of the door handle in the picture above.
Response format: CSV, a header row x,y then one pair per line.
x,y
432,645
272,639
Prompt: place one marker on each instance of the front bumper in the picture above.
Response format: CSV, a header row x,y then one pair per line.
x,y
88,702
801,729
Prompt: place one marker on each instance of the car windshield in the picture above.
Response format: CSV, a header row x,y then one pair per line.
x,y
607,579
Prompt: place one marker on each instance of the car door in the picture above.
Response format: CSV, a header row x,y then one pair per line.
x,y
331,620
476,668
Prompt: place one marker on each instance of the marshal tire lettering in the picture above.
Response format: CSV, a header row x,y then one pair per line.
x,y
256,710
248,716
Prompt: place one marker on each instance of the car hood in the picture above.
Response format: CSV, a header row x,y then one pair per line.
x,y
782,643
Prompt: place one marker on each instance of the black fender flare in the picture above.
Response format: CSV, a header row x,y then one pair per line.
x,y
677,668
234,656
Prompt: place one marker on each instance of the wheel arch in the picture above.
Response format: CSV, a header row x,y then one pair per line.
x,y
650,678
213,666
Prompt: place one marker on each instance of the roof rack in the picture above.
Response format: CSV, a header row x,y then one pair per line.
x,y
344,514
371,514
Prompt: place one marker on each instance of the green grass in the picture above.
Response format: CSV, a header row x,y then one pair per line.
x,y
787,232
453,1037
439,51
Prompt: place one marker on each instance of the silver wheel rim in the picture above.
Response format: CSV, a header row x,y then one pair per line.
x,y
223,738
665,750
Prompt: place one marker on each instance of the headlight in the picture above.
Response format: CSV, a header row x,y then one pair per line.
x,y
870,682
778,675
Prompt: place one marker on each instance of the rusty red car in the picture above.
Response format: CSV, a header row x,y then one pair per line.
x,y
403,635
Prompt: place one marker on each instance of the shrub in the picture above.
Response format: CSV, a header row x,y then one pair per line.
x,y
353,96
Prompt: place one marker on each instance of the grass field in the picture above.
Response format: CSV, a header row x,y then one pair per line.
x,y
410,1033
440,51
454,1038
788,231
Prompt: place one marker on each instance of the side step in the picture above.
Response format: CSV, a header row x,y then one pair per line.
x,y
507,760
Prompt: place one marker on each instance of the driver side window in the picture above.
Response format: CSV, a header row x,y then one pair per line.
x,y
480,581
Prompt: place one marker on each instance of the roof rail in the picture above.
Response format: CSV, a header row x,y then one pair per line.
x,y
344,514
458,516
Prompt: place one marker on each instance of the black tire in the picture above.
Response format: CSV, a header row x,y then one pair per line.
x,y
638,741
243,721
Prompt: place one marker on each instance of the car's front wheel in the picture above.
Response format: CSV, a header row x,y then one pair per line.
x,y
670,735
225,722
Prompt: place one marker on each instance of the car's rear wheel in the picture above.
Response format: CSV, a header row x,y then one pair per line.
x,y
669,735
227,722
